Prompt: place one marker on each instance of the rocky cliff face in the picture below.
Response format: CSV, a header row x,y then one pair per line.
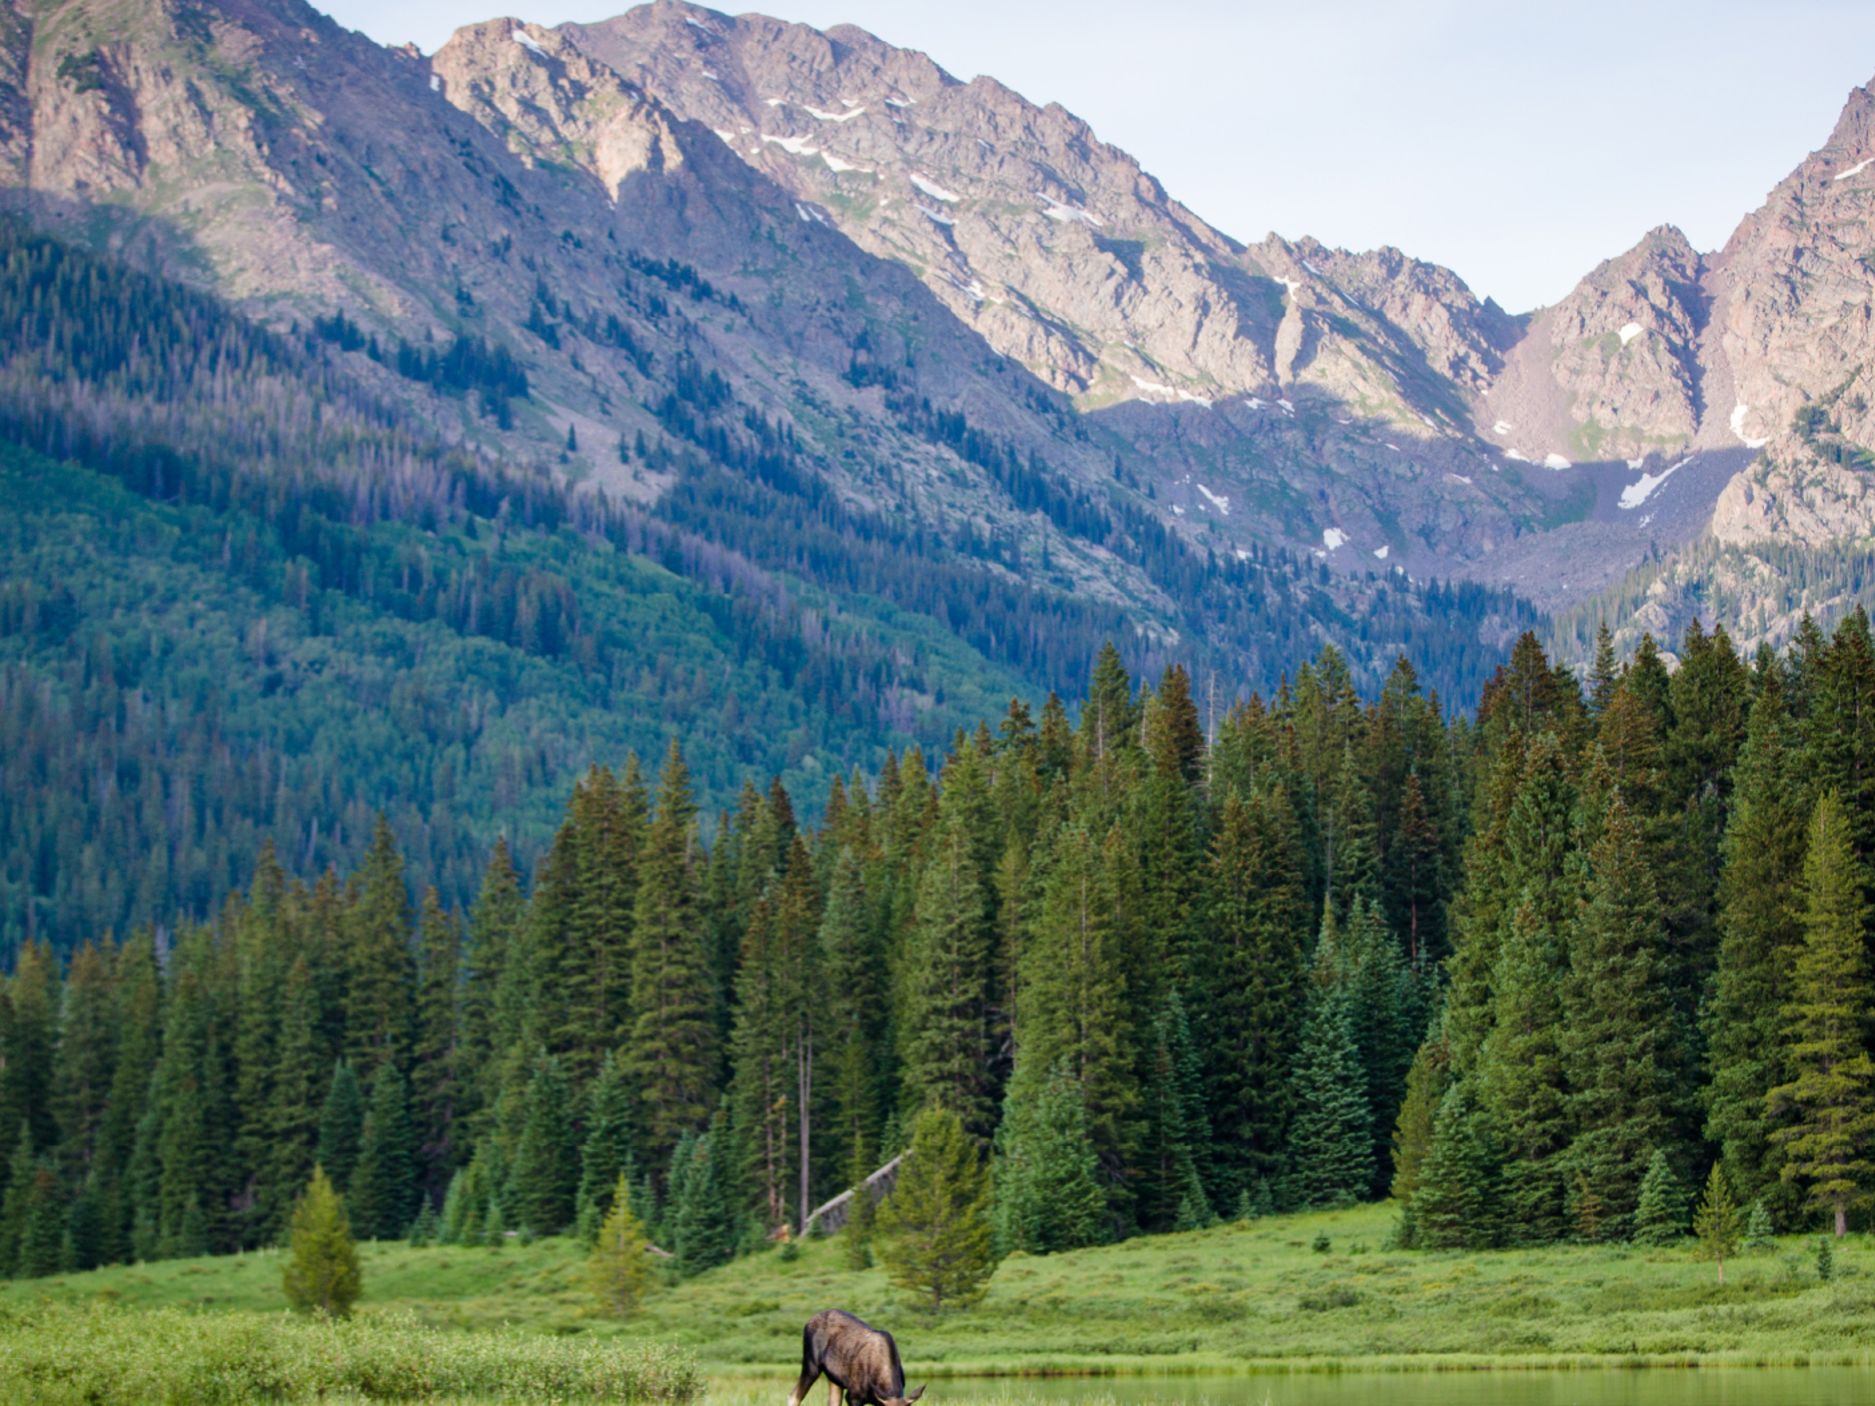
x,y
877,233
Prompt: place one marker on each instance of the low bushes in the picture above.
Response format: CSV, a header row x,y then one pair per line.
x,y
101,1356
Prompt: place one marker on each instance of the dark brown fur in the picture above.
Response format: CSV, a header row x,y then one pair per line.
x,y
860,1360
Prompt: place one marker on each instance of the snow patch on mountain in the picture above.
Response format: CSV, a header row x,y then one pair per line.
x,y
528,42
1334,538
934,190
1159,388
1382,551
833,116
1221,503
794,146
1855,170
1055,210
1739,412
1630,332
1555,461
1643,488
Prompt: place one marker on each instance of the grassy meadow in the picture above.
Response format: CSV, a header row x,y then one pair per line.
x,y
1236,1297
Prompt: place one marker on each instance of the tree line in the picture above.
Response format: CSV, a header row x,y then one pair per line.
x,y
1162,962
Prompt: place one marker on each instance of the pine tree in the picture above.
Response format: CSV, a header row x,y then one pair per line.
x,y
1456,1203
546,1172
87,1058
671,1052
380,975
1074,997
1605,672
341,1127
494,933
190,1142
28,1040
858,1008
1521,1086
21,1168
1660,1213
1716,1222
321,1273
1177,1132
699,1223
944,1023
435,1090
139,1025
1048,1195
758,1095
934,1230
384,1189
1259,921
1426,1083
293,1102
1331,1141
618,1271
797,968
1621,1038
1759,1232
1827,1109
606,1155
1760,930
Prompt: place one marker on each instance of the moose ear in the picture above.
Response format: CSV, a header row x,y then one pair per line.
x,y
914,1396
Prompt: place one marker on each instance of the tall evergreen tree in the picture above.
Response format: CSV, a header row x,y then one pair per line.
x,y
1521,1087
384,1191
296,1097
1331,1141
494,932
1622,1038
1456,1202
435,1079
671,1051
1760,931
341,1127
1074,998
546,1164
380,974
606,1155
934,1229
1048,1194
1826,1110
1259,922
700,1224
944,1024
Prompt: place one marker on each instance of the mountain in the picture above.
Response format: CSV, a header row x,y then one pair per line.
x,y
912,390
1552,452
407,435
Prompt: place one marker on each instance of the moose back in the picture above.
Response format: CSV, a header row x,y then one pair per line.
x,y
855,1358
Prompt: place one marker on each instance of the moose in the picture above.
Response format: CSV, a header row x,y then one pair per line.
x,y
857,1358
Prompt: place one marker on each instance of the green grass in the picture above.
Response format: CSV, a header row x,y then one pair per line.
x,y
100,1354
1233,1298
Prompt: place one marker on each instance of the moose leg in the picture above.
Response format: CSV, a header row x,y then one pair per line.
x,y
833,1392
810,1369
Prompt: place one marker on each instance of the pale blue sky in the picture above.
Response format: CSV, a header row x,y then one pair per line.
x,y
1518,143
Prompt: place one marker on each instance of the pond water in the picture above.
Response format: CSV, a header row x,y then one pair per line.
x,y
1709,1386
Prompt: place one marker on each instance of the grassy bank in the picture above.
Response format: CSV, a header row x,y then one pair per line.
x,y
97,1354
1234,1297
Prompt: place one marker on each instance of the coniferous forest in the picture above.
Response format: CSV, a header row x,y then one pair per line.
x,y
1533,972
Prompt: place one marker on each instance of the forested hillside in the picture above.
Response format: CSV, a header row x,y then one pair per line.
x,y
243,593
1533,971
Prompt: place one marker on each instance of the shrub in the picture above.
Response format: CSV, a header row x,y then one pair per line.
x,y
321,1273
